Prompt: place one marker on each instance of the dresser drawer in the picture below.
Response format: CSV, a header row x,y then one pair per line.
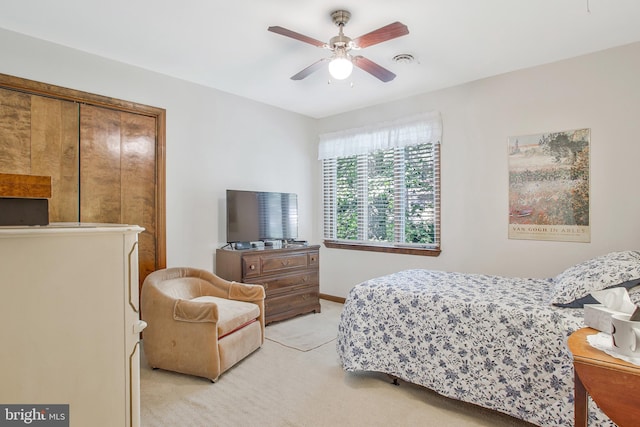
x,y
283,263
287,282
313,258
256,265
251,266
304,299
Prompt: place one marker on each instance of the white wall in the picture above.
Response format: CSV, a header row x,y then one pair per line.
x,y
215,141
599,91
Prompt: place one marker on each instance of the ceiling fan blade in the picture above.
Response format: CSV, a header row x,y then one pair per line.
x,y
297,36
373,68
383,34
310,69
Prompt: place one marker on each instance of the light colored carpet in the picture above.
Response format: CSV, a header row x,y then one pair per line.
x,y
307,331
279,386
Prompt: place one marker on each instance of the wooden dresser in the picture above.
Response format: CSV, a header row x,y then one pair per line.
x,y
290,277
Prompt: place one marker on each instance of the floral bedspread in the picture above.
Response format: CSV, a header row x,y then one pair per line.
x,y
492,341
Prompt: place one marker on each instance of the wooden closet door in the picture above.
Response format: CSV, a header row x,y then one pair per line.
x,y
100,184
138,178
39,136
15,132
54,153
117,174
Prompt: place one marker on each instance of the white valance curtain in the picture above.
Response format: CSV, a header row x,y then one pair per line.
x,y
412,130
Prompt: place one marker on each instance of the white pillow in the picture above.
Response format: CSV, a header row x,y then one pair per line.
x,y
602,272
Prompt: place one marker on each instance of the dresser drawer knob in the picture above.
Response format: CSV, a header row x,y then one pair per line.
x,y
252,267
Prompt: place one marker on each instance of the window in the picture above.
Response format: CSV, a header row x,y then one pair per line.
x,y
381,186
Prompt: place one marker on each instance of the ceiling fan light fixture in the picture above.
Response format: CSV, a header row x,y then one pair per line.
x,y
340,68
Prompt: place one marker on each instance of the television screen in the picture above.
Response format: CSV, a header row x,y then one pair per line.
x,y
259,215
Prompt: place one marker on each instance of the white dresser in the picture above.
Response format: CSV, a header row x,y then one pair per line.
x,y
70,321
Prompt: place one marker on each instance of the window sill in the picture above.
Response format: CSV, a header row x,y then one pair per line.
x,y
380,248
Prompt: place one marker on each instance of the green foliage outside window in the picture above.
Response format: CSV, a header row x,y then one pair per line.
x,y
347,201
405,177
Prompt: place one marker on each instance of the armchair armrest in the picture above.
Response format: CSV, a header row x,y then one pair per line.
x,y
198,310
246,292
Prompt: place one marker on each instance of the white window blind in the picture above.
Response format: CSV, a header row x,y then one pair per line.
x,y
381,184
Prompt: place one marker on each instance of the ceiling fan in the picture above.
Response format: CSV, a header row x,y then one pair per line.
x,y
341,62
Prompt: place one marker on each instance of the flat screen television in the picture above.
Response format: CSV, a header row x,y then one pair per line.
x,y
261,215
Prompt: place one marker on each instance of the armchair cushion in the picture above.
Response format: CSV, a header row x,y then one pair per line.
x,y
231,314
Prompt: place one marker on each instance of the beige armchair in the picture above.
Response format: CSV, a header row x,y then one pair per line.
x,y
199,323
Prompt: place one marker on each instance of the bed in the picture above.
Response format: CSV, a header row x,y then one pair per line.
x,y
492,341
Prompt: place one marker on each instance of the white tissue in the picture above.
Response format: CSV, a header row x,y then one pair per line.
x,y
616,299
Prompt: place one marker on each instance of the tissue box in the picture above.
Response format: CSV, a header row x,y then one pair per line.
x,y
597,316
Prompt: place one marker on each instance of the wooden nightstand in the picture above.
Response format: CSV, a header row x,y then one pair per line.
x,y
612,383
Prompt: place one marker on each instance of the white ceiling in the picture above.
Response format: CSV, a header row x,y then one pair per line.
x,y
226,45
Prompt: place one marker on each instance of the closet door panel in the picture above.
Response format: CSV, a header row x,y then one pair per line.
x,y
100,184
54,153
15,132
138,144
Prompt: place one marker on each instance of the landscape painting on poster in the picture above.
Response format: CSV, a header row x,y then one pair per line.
x,y
549,186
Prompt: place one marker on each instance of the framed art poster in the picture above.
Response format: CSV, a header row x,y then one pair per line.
x,y
549,186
